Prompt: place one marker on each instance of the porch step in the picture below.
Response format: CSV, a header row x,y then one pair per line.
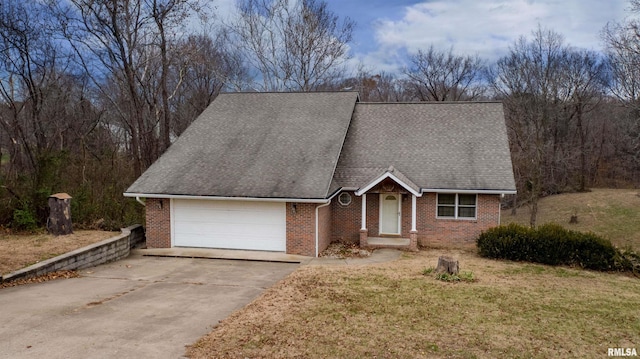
x,y
388,242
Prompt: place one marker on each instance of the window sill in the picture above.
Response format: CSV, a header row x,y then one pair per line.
x,y
475,219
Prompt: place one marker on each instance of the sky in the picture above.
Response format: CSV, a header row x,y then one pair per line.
x,y
388,30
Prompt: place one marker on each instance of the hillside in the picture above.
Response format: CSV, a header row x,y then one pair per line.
x,y
612,213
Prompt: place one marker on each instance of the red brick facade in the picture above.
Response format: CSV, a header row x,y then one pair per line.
x,y
342,223
345,220
158,218
438,232
301,228
431,231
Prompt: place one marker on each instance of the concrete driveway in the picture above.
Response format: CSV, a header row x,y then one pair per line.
x,y
140,307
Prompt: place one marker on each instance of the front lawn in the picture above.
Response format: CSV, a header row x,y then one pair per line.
x,y
393,310
611,213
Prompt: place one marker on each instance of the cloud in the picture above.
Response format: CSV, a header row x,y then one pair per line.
x,y
488,27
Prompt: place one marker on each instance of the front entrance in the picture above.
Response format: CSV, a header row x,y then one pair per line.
x,y
389,213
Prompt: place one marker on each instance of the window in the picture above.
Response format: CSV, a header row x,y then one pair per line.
x,y
344,199
457,205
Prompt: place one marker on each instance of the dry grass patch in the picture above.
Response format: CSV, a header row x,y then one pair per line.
x,y
21,250
611,213
392,310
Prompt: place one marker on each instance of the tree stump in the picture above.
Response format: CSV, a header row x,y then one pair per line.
x,y
447,265
59,222
574,219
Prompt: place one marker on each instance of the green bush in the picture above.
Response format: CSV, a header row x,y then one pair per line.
x,y
550,244
628,260
24,218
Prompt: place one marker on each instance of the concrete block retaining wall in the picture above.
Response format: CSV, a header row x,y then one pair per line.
x,y
109,250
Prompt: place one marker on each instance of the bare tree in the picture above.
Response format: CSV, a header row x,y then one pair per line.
x,y
584,81
207,66
443,76
45,112
111,39
167,14
622,42
551,92
527,80
292,45
375,87
125,47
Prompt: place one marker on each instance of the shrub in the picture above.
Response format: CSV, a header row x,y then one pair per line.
x,y
628,260
462,276
550,244
24,218
509,242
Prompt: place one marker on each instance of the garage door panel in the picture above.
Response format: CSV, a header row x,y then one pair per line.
x,y
229,224
229,229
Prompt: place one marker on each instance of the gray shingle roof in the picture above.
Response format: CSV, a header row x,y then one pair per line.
x,y
457,145
309,145
283,145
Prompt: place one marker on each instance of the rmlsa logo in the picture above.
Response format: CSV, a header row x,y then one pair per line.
x,y
622,352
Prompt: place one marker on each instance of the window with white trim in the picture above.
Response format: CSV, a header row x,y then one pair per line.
x,y
457,205
344,199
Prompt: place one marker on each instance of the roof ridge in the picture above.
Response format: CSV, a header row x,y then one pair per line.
x,y
430,103
285,92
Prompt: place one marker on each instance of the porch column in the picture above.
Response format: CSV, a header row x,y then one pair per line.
x,y
364,235
413,235
364,211
413,212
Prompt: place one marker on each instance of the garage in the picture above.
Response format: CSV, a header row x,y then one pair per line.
x,y
248,225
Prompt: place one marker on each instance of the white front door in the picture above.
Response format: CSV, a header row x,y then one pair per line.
x,y
389,213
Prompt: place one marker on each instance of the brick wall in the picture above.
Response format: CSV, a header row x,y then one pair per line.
x,y
342,223
301,228
455,232
158,222
373,212
346,220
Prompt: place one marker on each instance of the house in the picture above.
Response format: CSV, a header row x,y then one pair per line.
x,y
292,172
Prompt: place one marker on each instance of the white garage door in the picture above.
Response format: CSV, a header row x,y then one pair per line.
x,y
229,224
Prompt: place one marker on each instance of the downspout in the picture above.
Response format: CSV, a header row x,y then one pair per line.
x,y
317,234
140,201
500,208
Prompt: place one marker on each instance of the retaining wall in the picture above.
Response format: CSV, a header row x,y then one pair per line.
x,y
109,250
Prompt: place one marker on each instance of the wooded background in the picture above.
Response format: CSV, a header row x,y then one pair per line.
x,y
92,92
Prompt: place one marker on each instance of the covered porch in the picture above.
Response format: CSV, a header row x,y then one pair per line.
x,y
394,224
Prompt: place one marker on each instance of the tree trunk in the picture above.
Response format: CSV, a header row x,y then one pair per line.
x,y
59,222
447,265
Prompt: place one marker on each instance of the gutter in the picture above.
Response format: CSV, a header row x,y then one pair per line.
x,y
317,234
140,201
214,198
478,191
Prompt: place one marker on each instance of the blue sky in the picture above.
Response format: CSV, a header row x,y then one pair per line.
x,y
387,30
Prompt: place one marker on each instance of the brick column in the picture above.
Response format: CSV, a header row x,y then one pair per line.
x,y
413,241
364,234
158,214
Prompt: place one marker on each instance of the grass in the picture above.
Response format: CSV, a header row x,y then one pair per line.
x,y
22,250
611,213
399,310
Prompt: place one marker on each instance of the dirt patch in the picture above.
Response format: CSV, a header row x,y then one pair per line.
x,y
18,251
341,250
